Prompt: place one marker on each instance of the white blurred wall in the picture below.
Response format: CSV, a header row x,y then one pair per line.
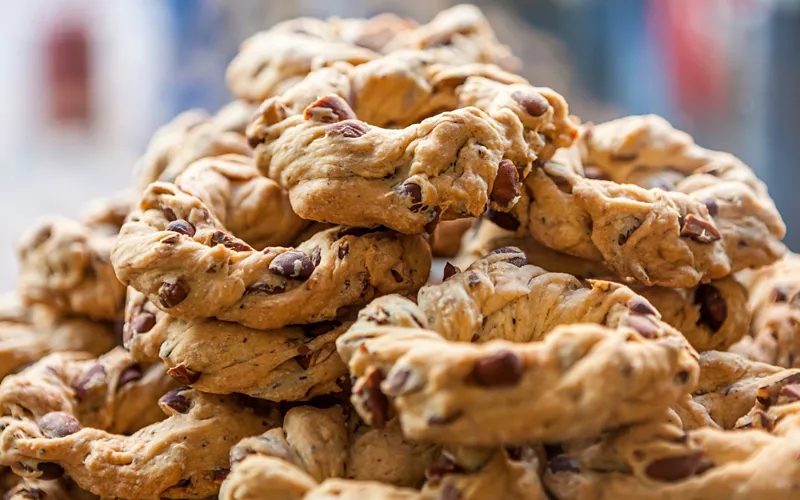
x,y
46,168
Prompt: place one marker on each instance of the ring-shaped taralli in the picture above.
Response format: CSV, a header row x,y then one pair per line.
x,y
469,157
190,136
112,392
326,443
711,316
716,218
174,250
65,265
671,458
420,361
28,334
494,475
146,465
250,206
775,305
291,363
271,62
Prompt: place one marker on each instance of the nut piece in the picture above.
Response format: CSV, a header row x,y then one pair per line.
x,y
58,424
499,369
699,230
292,264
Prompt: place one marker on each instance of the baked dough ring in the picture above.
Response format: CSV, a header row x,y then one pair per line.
x,y
287,364
662,460
496,475
711,316
775,305
271,62
65,265
324,443
183,456
112,392
28,334
455,164
175,251
718,220
450,392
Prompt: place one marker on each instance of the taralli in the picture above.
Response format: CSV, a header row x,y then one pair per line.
x,y
112,392
145,465
715,223
262,316
452,392
287,364
324,445
61,489
463,33
175,251
730,385
486,475
406,87
65,265
639,149
500,297
662,460
272,62
248,205
710,316
470,155
775,305
30,333
718,220
190,136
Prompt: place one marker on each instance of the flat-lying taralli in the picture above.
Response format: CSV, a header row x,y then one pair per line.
x,y
485,130
174,250
273,61
112,392
28,334
292,363
146,465
420,361
65,265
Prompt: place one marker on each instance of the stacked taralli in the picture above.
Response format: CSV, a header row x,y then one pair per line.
x,y
621,321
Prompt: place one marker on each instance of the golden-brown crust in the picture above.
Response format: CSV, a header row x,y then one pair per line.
x,y
199,270
451,392
65,265
145,465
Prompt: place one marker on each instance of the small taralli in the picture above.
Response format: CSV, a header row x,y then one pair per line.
x,y
488,128
717,218
207,272
682,456
274,61
775,331
267,313
112,392
66,266
206,426
286,364
28,334
451,392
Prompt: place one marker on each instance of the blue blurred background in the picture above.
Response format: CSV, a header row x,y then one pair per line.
x,y
85,82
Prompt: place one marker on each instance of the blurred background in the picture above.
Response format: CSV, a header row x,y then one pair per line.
x,y
86,82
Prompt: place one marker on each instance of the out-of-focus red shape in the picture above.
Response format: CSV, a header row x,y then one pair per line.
x,y
68,72
697,68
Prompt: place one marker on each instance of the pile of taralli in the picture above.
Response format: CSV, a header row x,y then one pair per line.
x,y
256,319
